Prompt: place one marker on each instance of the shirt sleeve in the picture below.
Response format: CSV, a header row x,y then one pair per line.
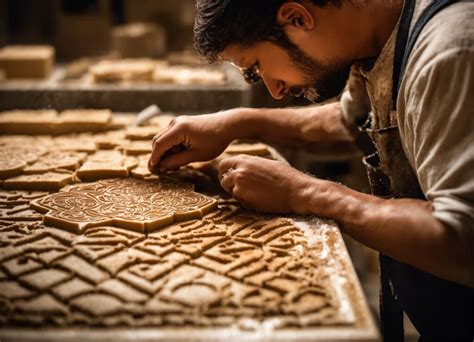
x,y
355,102
438,134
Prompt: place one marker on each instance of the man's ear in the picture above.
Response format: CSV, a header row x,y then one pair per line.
x,y
295,14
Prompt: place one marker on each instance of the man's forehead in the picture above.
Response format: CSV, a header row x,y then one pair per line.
x,y
236,55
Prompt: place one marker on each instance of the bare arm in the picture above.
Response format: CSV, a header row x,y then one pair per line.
x,y
204,137
404,229
312,127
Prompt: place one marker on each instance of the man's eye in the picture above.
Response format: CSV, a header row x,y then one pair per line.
x,y
251,74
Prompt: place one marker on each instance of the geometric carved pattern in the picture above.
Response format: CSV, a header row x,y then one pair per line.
x,y
128,203
176,263
228,268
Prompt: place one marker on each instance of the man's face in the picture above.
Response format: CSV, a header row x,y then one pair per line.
x,y
290,70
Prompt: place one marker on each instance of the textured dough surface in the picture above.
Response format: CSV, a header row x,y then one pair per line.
x,y
49,181
228,269
127,203
150,252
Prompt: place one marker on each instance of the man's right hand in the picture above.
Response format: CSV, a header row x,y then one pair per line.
x,y
190,138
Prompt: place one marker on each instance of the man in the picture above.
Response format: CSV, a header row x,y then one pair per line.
x,y
416,57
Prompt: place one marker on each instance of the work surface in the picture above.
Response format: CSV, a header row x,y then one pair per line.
x,y
93,247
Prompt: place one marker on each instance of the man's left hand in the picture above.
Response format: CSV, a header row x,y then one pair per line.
x,y
262,184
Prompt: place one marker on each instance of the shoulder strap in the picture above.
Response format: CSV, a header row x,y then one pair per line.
x,y
391,315
405,43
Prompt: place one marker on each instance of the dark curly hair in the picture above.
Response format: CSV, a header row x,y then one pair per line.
x,y
220,23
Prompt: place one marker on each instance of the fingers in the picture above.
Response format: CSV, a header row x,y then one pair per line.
x,y
175,161
227,164
228,181
162,144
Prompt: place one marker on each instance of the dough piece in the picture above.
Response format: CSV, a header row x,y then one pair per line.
x,y
19,213
56,160
121,121
110,140
141,171
15,206
35,122
43,142
210,167
23,61
77,68
76,143
186,75
123,70
32,122
139,40
106,164
143,133
257,149
85,120
14,158
127,203
135,148
50,181
162,120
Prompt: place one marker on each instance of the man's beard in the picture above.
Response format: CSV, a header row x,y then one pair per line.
x,y
323,82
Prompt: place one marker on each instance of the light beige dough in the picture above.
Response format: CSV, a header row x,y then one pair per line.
x,y
127,203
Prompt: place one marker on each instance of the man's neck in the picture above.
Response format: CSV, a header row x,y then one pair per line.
x,y
386,15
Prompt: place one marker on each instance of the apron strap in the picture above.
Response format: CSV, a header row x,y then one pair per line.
x,y
391,313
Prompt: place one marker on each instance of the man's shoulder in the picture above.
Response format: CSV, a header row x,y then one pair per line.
x,y
452,29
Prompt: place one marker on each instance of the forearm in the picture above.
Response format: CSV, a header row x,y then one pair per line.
x,y
404,229
291,126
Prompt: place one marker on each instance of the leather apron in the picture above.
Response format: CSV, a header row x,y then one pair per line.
x,y
439,309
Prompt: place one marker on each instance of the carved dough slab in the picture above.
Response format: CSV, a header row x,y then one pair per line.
x,y
127,203
207,272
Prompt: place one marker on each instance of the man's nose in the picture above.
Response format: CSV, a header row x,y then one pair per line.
x,y
276,88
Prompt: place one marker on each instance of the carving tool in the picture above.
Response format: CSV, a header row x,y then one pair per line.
x,y
146,115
